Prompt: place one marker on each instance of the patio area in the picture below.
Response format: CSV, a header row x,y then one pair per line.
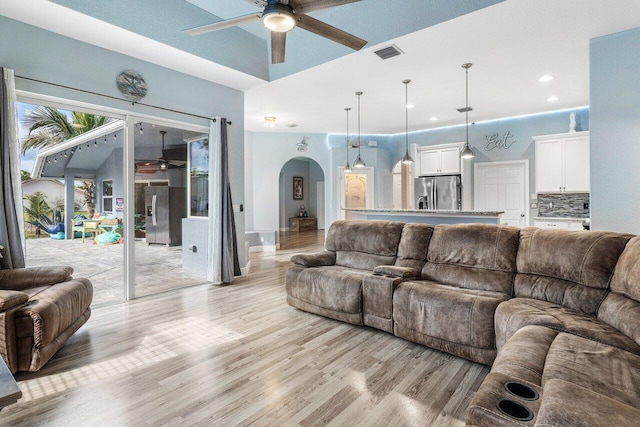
x,y
158,267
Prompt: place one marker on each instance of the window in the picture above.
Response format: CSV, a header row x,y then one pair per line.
x,y
107,196
199,177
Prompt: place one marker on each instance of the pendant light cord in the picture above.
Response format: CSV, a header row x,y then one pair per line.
x,y
347,110
467,101
406,114
359,142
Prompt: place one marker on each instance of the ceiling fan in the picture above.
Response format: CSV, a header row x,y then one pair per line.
x,y
281,16
168,160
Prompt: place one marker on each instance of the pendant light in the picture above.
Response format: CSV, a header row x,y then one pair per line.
x,y
347,168
467,152
407,159
162,163
359,163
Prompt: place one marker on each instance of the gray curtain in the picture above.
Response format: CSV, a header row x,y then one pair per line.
x,y
230,263
11,220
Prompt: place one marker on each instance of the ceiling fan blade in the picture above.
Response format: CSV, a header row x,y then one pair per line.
x,y
332,33
306,6
278,43
256,16
177,162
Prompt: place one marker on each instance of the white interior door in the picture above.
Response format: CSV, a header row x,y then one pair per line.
x,y
503,186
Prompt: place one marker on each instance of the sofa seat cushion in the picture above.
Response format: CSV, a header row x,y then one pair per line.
x,y
52,310
609,370
458,315
332,287
519,312
567,404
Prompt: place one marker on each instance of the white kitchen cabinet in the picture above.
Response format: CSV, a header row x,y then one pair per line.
x,y
439,160
562,163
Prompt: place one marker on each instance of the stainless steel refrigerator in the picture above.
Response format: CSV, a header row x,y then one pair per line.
x,y
438,192
165,208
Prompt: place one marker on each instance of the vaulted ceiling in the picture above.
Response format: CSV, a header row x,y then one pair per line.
x,y
511,44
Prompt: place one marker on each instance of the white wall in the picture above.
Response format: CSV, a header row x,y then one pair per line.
x,y
269,152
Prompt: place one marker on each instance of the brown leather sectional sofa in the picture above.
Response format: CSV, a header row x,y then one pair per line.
x,y
557,313
40,308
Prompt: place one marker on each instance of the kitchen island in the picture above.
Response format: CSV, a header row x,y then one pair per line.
x,y
426,216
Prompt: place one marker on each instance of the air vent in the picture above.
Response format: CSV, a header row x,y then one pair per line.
x,y
388,52
464,109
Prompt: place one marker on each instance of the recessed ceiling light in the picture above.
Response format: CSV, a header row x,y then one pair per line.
x,y
410,106
552,99
434,119
546,78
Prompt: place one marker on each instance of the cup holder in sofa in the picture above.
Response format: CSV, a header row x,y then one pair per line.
x,y
523,391
514,410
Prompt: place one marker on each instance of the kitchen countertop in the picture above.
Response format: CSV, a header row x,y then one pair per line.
x,y
559,218
429,212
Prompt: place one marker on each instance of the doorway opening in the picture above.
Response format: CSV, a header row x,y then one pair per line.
x,y
91,168
356,190
302,197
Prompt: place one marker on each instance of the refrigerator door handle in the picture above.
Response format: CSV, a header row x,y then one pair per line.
x,y
435,197
153,210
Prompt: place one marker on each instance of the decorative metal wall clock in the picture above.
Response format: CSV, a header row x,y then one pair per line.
x,y
131,85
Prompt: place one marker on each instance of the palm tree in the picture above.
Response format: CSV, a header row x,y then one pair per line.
x,y
49,126
38,211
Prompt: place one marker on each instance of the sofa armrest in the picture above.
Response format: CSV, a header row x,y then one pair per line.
x,y
396,271
315,260
18,279
10,299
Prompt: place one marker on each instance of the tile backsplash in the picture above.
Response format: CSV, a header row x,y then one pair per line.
x,y
569,205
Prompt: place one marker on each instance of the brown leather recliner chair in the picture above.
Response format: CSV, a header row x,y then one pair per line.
x,y
40,308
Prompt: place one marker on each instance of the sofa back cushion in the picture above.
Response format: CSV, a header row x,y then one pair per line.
x,y
412,250
621,308
364,244
473,256
569,268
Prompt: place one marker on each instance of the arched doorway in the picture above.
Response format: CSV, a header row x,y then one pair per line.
x,y
302,195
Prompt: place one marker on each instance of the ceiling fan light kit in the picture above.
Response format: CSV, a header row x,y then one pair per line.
x,y
281,16
278,17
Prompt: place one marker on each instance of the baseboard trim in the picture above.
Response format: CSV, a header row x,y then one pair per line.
x,y
285,229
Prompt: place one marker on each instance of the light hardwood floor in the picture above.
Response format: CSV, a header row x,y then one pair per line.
x,y
239,355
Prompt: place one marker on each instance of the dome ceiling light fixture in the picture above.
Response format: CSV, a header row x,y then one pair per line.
x,y
281,16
